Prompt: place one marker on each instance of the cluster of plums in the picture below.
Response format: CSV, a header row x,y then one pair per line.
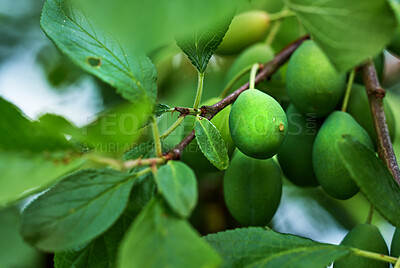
x,y
303,136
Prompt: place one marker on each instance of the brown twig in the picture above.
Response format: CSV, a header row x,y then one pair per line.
x,y
375,96
210,111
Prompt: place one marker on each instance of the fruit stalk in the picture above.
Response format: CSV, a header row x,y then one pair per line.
x,y
348,90
210,111
253,74
376,94
234,80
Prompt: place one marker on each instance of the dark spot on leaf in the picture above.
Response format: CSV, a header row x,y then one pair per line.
x,y
93,61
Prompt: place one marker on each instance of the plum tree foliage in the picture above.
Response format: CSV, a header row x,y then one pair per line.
x,y
133,189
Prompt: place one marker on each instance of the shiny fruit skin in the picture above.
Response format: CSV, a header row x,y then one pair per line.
x,y
395,246
258,124
192,154
366,237
327,161
313,84
258,53
358,107
252,189
295,153
246,29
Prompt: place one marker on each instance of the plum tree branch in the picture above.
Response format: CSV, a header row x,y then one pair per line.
x,y
375,96
210,111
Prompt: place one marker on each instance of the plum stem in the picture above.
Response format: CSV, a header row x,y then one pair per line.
x,y
376,94
284,13
370,214
236,78
210,111
348,90
253,74
275,27
397,265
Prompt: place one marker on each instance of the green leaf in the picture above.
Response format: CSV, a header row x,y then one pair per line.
x,y
116,130
258,247
145,26
32,156
14,252
79,208
57,123
143,150
348,33
373,178
134,77
308,257
211,143
102,252
24,174
161,109
157,238
178,185
18,133
201,44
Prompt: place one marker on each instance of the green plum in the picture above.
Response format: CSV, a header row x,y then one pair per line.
x,y
327,161
358,107
258,53
252,189
192,154
395,246
394,45
366,237
295,154
258,124
313,84
246,29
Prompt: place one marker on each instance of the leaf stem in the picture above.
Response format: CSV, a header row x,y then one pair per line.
x,y
199,92
375,96
370,214
348,90
236,78
156,137
253,74
284,13
174,126
373,255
